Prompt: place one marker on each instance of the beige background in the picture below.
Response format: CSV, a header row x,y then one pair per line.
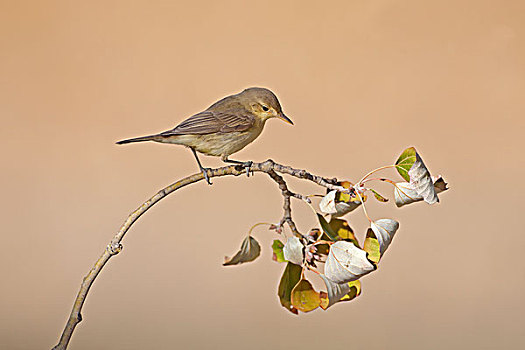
x,y
361,79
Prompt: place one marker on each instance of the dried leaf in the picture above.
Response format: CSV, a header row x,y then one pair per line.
x,y
343,231
289,279
421,181
294,250
339,291
339,203
277,247
384,230
405,162
250,250
405,194
379,197
304,298
327,204
343,208
346,263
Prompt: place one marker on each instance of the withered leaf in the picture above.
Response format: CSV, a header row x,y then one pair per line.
x,y
346,263
250,250
294,250
339,291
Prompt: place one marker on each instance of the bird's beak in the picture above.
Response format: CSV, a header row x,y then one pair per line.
x,y
285,118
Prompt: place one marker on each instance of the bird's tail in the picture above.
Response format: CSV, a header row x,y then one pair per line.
x,y
139,139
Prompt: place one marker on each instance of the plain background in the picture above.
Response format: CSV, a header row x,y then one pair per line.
x,y
361,79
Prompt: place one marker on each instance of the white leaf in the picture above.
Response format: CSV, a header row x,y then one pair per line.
x,y
384,230
250,250
421,181
344,208
335,290
346,263
329,205
404,193
293,250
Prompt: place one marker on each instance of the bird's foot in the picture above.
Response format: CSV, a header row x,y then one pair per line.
x,y
247,165
205,173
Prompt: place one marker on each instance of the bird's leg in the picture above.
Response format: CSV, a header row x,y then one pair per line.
x,y
204,170
246,165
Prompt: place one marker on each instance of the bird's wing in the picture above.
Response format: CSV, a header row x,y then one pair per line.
x,y
208,122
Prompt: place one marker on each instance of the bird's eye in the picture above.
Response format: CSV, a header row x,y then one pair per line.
x,y
265,108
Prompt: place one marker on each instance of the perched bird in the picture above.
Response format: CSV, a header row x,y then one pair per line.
x,y
226,127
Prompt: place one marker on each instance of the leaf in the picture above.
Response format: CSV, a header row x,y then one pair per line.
x,y
405,162
384,230
250,250
405,194
339,291
326,228
379,197
343,208
338,203
421,181
371,246
277,247
294,250
327,204
304,298
289,279
343,230
346,263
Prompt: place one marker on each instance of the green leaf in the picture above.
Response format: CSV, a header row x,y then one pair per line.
x,y
277,248
343,230
326,228
304,297
405,162
379,197
371,246
289,279
250,250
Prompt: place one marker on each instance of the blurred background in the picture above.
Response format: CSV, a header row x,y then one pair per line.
x,y
362,80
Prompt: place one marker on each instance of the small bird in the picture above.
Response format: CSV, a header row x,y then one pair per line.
x,y
226,127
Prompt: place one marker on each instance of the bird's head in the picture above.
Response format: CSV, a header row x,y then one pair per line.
x,y
263,104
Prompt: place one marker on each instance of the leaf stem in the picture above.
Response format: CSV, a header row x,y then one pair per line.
x,y
258,224
375,171
363,204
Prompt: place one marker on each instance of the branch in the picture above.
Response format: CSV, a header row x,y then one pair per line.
x,y
114,247
287,194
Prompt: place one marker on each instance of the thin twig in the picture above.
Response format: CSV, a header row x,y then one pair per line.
x,y
114,247
287,194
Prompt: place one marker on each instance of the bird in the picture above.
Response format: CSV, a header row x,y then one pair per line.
x,y
224,128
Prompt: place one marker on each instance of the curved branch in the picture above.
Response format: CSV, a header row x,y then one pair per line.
x,y
114,247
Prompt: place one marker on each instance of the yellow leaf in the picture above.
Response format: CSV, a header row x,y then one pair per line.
x,y
371,246
304,297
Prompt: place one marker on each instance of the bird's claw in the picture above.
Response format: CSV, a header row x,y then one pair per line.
x,y
206,177
247,165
